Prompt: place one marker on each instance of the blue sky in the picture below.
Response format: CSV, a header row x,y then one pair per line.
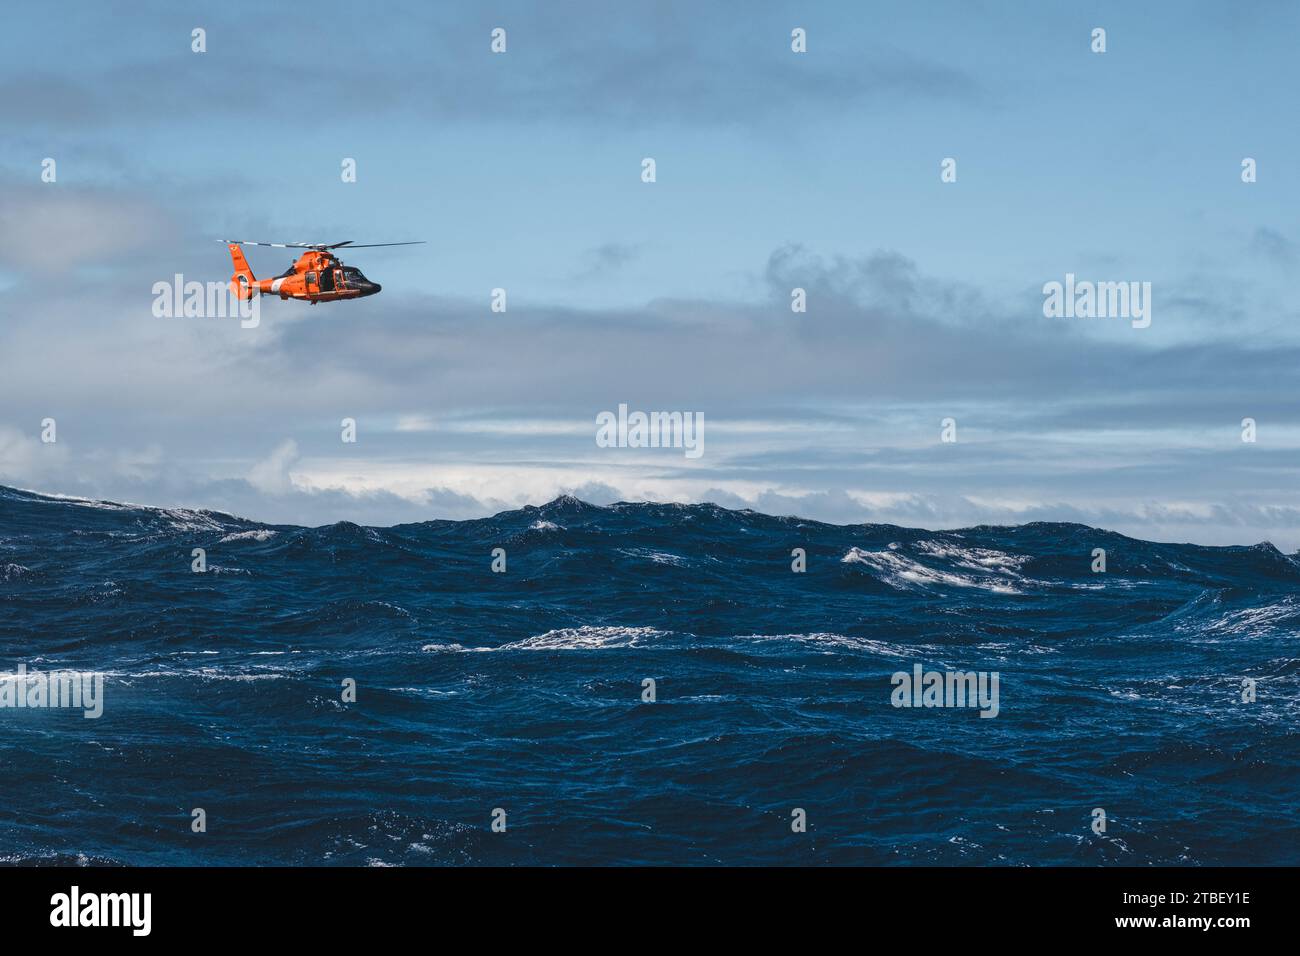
x,y
774,170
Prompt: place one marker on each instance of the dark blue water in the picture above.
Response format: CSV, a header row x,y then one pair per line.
x,y
522,691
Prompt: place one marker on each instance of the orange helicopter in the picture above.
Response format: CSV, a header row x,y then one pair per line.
x,y
317,276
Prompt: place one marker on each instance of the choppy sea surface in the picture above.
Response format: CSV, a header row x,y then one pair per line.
x,y
522,691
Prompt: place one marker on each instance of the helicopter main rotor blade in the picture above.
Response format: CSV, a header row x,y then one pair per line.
x,y
274,245
318,245
375,245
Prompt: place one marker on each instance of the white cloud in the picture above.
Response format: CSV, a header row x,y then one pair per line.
x,y
25,459
271,474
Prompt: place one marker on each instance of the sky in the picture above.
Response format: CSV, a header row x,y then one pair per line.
x,y
775,170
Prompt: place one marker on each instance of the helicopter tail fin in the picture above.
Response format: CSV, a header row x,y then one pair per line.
x,y
242,283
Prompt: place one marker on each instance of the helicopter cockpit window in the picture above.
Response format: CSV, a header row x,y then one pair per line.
x,y
353,276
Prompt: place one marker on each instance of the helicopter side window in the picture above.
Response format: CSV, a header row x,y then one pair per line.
x,y
311,278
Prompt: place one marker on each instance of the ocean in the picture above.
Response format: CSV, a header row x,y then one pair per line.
x,y
381,696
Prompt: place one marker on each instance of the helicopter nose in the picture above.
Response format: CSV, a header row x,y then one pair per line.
x,y
372,288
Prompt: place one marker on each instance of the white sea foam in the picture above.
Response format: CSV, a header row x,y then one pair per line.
x,y
658,557
90,502
827,639
1251,621
898,570
183,519
202,673
977,559
261,534
585,638
218,569
11,572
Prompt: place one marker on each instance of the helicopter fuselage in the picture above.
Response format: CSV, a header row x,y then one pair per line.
x,y
316,276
